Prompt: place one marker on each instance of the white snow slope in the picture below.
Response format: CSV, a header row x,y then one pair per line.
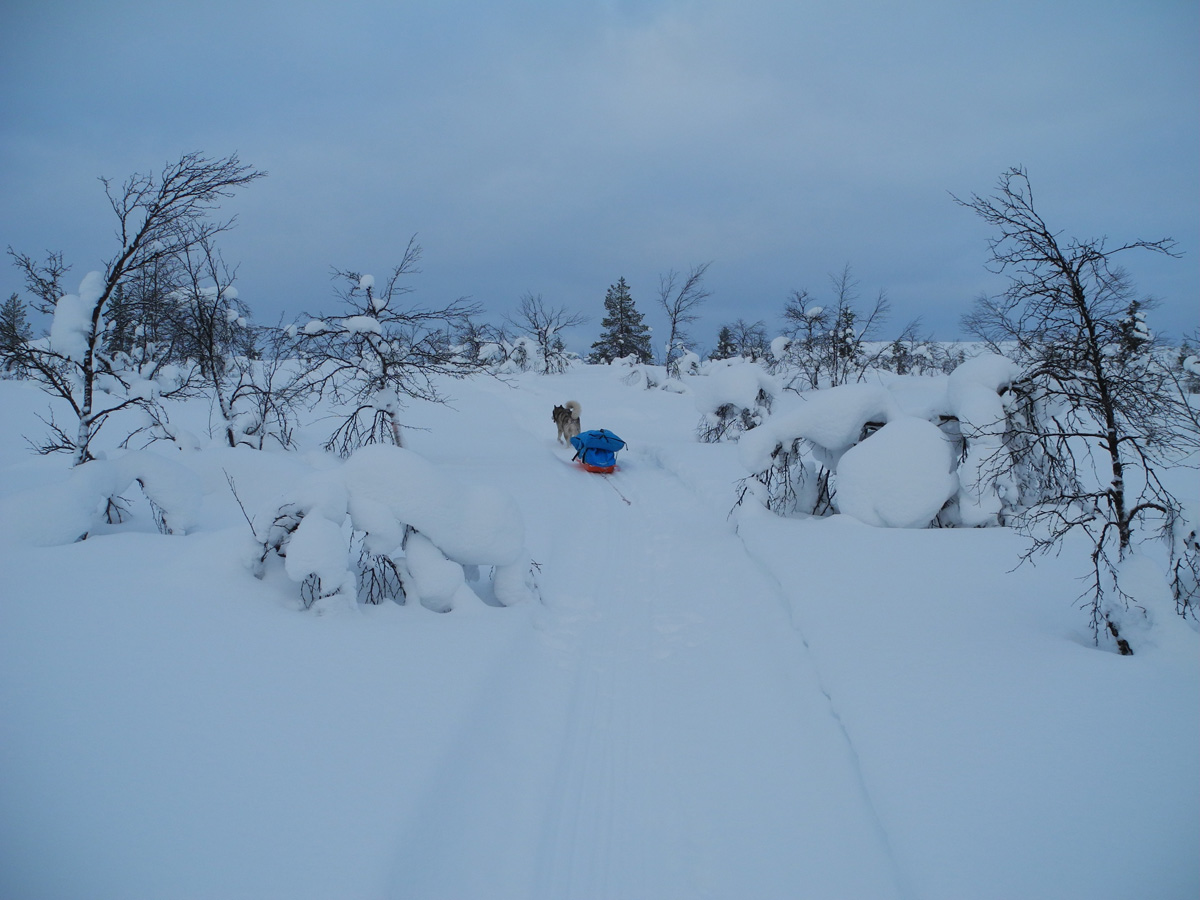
x,y
700,706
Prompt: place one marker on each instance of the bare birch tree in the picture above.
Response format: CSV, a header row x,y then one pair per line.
x,y
1097,416
544,325
378,350
680,297
160,217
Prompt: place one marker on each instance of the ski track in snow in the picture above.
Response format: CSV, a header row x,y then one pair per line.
x,y
742,764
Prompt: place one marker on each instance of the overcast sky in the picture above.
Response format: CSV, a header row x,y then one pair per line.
x,y
553,146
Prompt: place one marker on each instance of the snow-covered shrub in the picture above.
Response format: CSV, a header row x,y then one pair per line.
x,y
543,324
975,395
1187,365
910,453
793,454
379,350
388,522
732,395
642,375
90,497
898,477
509,356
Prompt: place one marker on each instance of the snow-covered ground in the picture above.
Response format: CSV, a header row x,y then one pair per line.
x,y
699,706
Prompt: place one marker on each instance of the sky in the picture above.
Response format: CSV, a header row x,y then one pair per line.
x,y
549,148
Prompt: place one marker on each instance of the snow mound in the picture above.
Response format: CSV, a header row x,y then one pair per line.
x,y
974,397
735,382
832,419
899,477
472,525
67,511
408,511
72,323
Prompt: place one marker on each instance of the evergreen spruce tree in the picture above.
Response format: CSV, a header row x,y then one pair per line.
x,y
14,332
726,347
624,331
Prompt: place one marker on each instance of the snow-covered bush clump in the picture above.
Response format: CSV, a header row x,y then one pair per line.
x,y
377,351
387,522
899,477
688,363
915,451
512,355
509,356
642,375
793,455
90,496
733,396
975,394
831,420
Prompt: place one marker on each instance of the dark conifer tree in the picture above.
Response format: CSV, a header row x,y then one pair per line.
x,y
624,331
15,330
726,348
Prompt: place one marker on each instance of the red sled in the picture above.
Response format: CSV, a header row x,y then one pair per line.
x,y
599,470
597,450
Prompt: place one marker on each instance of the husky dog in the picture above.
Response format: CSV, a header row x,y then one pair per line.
x,y
567,419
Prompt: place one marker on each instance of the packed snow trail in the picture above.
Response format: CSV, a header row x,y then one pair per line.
x,y
662,732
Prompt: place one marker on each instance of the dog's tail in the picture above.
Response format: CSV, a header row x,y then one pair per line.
x,y
574,407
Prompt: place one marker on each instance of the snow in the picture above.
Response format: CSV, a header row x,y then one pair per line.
x,y
732,381
75,502
439,583
472,524
397,501
832,419
973,397
899,477
362,325
317,548
696,705
72,322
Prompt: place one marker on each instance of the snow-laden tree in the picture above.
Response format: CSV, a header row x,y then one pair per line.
x,y
740,338
211,331
388,524
827,344
912,354
15,332
544,324
1187,367
732,396
909,453
160,217
1099,413
378,350
624,334
680,297
726,347
142,315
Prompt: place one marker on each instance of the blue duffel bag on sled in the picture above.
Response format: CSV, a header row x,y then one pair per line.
x,y
597,450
